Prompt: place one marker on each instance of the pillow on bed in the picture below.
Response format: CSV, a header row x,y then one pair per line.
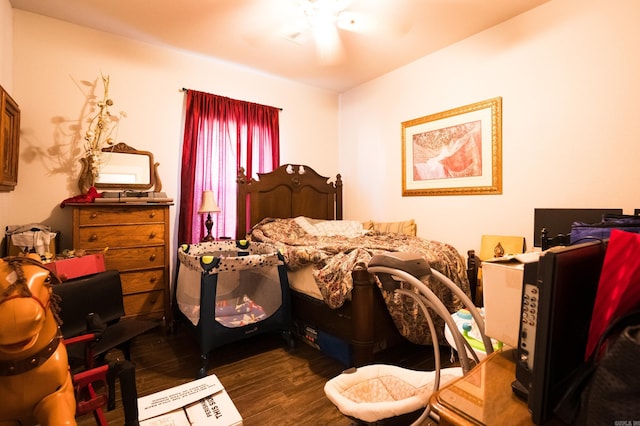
x,y
407,227
329,228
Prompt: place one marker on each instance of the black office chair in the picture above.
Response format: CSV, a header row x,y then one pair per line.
x,y
93,304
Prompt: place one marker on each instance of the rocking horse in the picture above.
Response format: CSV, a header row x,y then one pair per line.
x,y
35,382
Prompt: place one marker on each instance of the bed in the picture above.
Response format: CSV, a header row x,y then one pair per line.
x,y
343,311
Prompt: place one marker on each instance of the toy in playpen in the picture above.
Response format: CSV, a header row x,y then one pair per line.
x,y
230,290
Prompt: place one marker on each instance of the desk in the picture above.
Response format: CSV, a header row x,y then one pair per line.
x,y
483,396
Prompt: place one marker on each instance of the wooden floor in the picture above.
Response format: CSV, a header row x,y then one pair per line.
x,y
270,383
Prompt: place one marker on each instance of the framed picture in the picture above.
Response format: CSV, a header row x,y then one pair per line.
x,y
455,152
9,141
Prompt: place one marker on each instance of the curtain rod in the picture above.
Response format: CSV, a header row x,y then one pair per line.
x,y
184,89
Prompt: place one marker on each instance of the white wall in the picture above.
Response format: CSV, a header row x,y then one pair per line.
x,y
6,81
568,75
52,61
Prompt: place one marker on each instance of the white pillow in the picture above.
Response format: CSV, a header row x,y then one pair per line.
x,y
345,228
329,228
306,224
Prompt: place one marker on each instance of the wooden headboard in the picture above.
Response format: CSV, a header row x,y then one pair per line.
x,y
291,190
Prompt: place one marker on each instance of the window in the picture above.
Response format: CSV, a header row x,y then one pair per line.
x,y
220,136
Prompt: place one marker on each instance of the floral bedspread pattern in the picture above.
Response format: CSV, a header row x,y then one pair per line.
x,y
333,258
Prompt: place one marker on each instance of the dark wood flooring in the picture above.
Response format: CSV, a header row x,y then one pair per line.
x,y
270,383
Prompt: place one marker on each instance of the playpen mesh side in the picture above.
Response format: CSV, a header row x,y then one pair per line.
x,y
248,287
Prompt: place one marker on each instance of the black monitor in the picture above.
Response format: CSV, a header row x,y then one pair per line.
x,y
558,221
567,284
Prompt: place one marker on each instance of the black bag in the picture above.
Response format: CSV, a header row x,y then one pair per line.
x,y
582,232
606,391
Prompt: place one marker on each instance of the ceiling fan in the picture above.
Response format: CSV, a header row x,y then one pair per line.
x,y
322,20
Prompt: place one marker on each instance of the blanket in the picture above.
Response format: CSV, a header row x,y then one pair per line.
x,y
333,257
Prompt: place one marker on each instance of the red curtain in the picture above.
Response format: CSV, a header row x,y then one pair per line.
x,y
220,136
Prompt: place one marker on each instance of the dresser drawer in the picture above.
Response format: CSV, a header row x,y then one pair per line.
x,y
141,281
135,258
120,215
99,237
150,302
135,240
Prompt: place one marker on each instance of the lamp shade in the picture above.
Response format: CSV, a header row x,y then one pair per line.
x,y
208,204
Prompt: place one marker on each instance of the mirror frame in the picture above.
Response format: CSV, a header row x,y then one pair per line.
x,y
86,180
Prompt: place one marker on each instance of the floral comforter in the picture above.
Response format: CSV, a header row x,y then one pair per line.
x,y
334,257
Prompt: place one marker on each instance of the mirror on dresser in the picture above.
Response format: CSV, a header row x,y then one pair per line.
x,y
122,168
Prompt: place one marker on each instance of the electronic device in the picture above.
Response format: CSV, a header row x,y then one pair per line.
x,y
556,314
527,334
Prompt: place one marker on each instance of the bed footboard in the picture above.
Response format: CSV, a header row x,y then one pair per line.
x,y
473,263
363,319
353,333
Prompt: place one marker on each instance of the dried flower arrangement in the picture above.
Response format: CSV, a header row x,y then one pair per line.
x,y
102,132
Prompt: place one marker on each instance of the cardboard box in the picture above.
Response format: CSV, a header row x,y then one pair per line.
x,y
76,267
15,250
502,283
197,403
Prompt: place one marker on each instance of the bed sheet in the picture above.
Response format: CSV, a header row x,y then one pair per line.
x,y
333,258
303,281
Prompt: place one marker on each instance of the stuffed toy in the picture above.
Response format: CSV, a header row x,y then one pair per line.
x,y
35,382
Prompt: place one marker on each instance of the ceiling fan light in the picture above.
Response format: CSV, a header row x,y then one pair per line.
x,y
328,45
322,22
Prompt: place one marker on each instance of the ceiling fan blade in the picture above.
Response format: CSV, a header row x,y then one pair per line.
x,y
329,48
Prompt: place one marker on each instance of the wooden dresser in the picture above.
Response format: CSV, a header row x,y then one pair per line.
x,y
137,239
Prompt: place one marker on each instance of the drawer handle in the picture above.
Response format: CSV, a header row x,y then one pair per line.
x,y
93,237
152,235
152,215
153,279
94,215
152,257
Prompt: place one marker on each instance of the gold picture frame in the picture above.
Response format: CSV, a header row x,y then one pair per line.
x,y
455,152
9,141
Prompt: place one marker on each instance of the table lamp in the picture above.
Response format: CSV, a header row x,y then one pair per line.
x,y
208,206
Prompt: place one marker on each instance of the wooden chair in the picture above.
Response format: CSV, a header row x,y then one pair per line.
x,y
94,386
89,383
92,311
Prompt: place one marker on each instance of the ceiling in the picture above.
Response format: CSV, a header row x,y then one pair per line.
x,y
257,33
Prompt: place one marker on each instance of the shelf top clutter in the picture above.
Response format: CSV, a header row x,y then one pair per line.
x,y
134,197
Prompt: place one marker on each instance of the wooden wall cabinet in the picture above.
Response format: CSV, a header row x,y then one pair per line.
x,y
136,237
9,141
